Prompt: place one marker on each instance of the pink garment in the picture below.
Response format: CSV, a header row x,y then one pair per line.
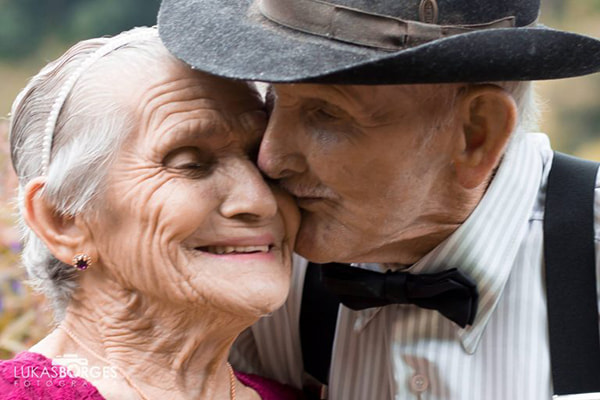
x,y
32,376
269,389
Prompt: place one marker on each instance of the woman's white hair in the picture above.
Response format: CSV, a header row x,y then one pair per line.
x,y
89,130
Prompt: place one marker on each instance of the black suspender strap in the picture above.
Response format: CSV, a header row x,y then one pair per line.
x,y
318,318
569,254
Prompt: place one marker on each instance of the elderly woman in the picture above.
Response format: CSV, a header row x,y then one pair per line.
x,y
148,226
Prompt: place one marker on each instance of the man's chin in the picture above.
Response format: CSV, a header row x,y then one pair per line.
x,y
317,245
313,256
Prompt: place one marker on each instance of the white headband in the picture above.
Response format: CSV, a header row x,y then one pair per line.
x,y
113,44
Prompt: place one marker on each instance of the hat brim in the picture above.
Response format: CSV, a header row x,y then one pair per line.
x,y
230,38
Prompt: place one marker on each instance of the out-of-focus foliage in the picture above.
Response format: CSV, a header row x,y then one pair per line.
x,y
21,27
571,107
101,17
26,24
24,319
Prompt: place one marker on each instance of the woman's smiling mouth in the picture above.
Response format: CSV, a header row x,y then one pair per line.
x,y
248,247
236,249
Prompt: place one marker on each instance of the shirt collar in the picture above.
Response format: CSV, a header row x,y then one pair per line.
x,y
486,244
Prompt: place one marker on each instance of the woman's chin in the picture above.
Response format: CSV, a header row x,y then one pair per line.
x,y
248,290
271,307
259,302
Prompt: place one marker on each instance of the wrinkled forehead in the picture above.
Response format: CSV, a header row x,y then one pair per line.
x,y
176,99
170,86
362,96
175,81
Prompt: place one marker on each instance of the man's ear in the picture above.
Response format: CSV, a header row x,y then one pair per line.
x,y
488,115
65,236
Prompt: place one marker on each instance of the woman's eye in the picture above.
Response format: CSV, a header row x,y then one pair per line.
x,y
190,161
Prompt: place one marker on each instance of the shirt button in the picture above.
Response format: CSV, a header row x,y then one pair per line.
x,y
419,383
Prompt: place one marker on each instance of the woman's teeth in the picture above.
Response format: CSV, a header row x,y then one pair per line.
x,y
237,249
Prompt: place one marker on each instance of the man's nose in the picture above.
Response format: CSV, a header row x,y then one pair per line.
x,y
248,196
281,152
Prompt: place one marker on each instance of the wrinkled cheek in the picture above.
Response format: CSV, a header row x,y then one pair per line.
x,y
348,223
319,229
140,257
187,278
143,229
373,207
371,220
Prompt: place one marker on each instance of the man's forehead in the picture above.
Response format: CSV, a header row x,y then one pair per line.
x,y
349,92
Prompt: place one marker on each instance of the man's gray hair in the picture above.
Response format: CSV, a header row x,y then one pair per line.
x,y
89,131
444,96
523,92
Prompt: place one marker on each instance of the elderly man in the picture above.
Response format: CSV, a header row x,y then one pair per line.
x,y
403,129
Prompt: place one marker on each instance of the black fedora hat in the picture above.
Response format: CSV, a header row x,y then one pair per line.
x,y
373,41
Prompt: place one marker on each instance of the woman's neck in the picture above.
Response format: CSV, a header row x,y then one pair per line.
x,y
165,350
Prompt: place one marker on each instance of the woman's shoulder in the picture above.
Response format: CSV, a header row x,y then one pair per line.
x,y
33,376
269,389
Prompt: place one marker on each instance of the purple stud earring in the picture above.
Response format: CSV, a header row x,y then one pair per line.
x,y
82,261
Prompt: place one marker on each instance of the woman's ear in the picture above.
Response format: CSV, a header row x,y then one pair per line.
x,y
65,236
488,115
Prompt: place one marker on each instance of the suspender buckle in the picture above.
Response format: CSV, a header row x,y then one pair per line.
x,y
313,388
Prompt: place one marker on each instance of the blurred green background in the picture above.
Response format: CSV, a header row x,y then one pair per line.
x,y
33,32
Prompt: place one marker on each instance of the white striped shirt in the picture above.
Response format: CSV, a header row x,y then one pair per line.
x,y
403,352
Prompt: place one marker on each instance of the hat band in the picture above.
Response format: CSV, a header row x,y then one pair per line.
x,y
362,28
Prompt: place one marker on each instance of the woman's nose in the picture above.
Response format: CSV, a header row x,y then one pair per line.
x,y
249,196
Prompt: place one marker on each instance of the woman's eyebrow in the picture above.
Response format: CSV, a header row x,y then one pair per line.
x,y
190,132
253,121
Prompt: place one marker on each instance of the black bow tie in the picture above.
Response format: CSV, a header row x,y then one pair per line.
x,y
450,292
